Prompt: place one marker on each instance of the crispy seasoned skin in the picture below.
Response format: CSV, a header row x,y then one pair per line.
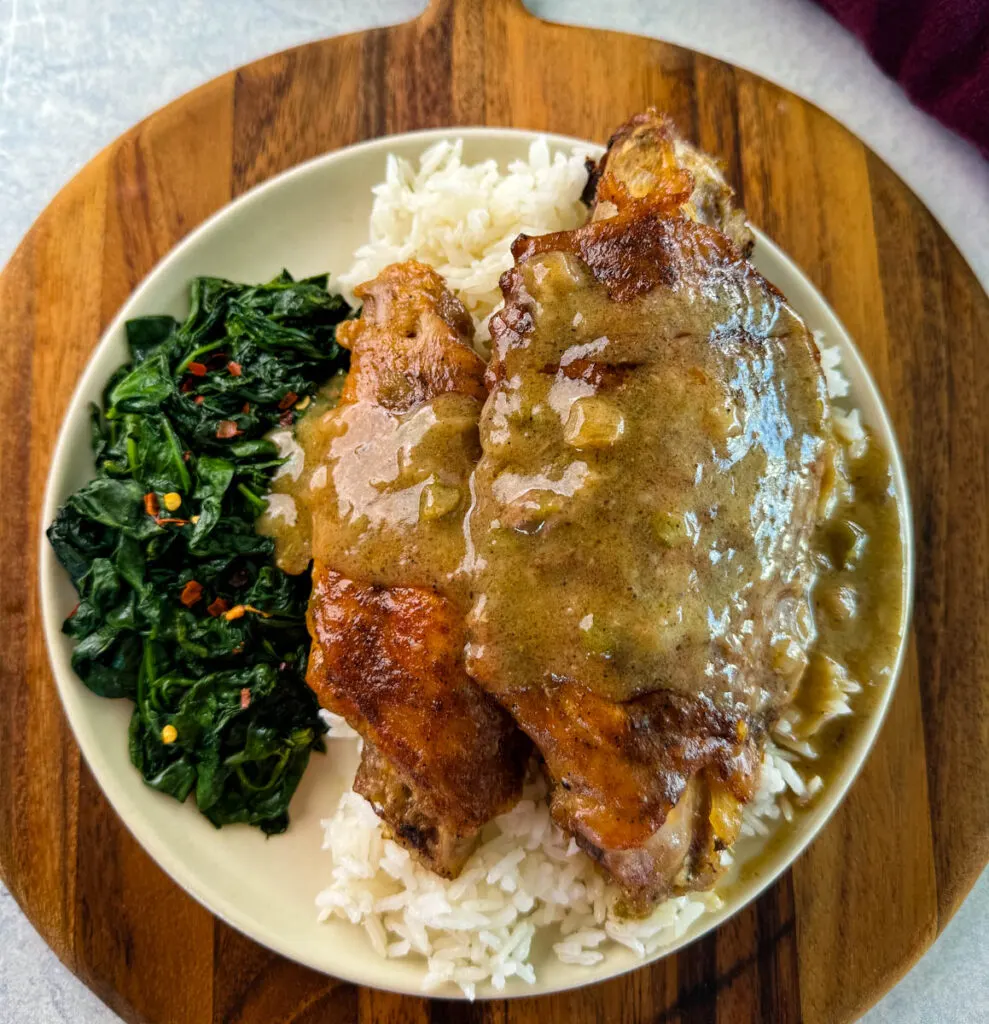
x,y
438,753
647,156
653,452
651,788
411,342
386,614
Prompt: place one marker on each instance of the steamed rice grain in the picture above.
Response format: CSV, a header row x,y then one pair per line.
x,y
461,219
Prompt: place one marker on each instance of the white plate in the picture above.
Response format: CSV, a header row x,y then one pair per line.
x,y
310,220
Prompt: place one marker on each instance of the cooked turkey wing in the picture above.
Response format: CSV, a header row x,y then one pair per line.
x,y
387,608
653,450
440,757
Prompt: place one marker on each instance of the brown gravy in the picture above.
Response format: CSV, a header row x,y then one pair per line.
x,y
378,495
858,602
648,488
385,496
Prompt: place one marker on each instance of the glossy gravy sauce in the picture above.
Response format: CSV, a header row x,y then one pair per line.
x,y
379,496
858,606
648,490
648,559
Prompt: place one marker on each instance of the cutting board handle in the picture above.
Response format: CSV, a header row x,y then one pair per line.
x,y
436,10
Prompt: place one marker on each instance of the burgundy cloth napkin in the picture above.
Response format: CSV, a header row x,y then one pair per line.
x,y
938,50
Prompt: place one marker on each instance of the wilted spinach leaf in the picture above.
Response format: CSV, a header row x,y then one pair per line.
x,y
161,546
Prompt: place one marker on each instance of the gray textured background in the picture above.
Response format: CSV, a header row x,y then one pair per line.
x,y
76,73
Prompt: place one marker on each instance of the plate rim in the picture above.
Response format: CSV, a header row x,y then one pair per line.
x,y
174,866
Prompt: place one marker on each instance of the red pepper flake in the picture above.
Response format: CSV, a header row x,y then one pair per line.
x,y
187,385
287,418
186,456
227,429
235,368
192,593
199,399
240,610
197,369
72,614
165,520
245,698
289,400
218,607
151,504
246,408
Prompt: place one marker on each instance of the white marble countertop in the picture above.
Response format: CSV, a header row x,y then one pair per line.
x,y
75,73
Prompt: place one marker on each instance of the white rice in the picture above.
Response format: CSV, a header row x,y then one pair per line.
x,y
337,724
527,885
847,422
831,364
528,878
462,219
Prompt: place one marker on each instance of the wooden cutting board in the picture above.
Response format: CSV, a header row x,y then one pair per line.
x,y
886,875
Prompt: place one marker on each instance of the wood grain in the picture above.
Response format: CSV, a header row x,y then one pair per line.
x,y
904,848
